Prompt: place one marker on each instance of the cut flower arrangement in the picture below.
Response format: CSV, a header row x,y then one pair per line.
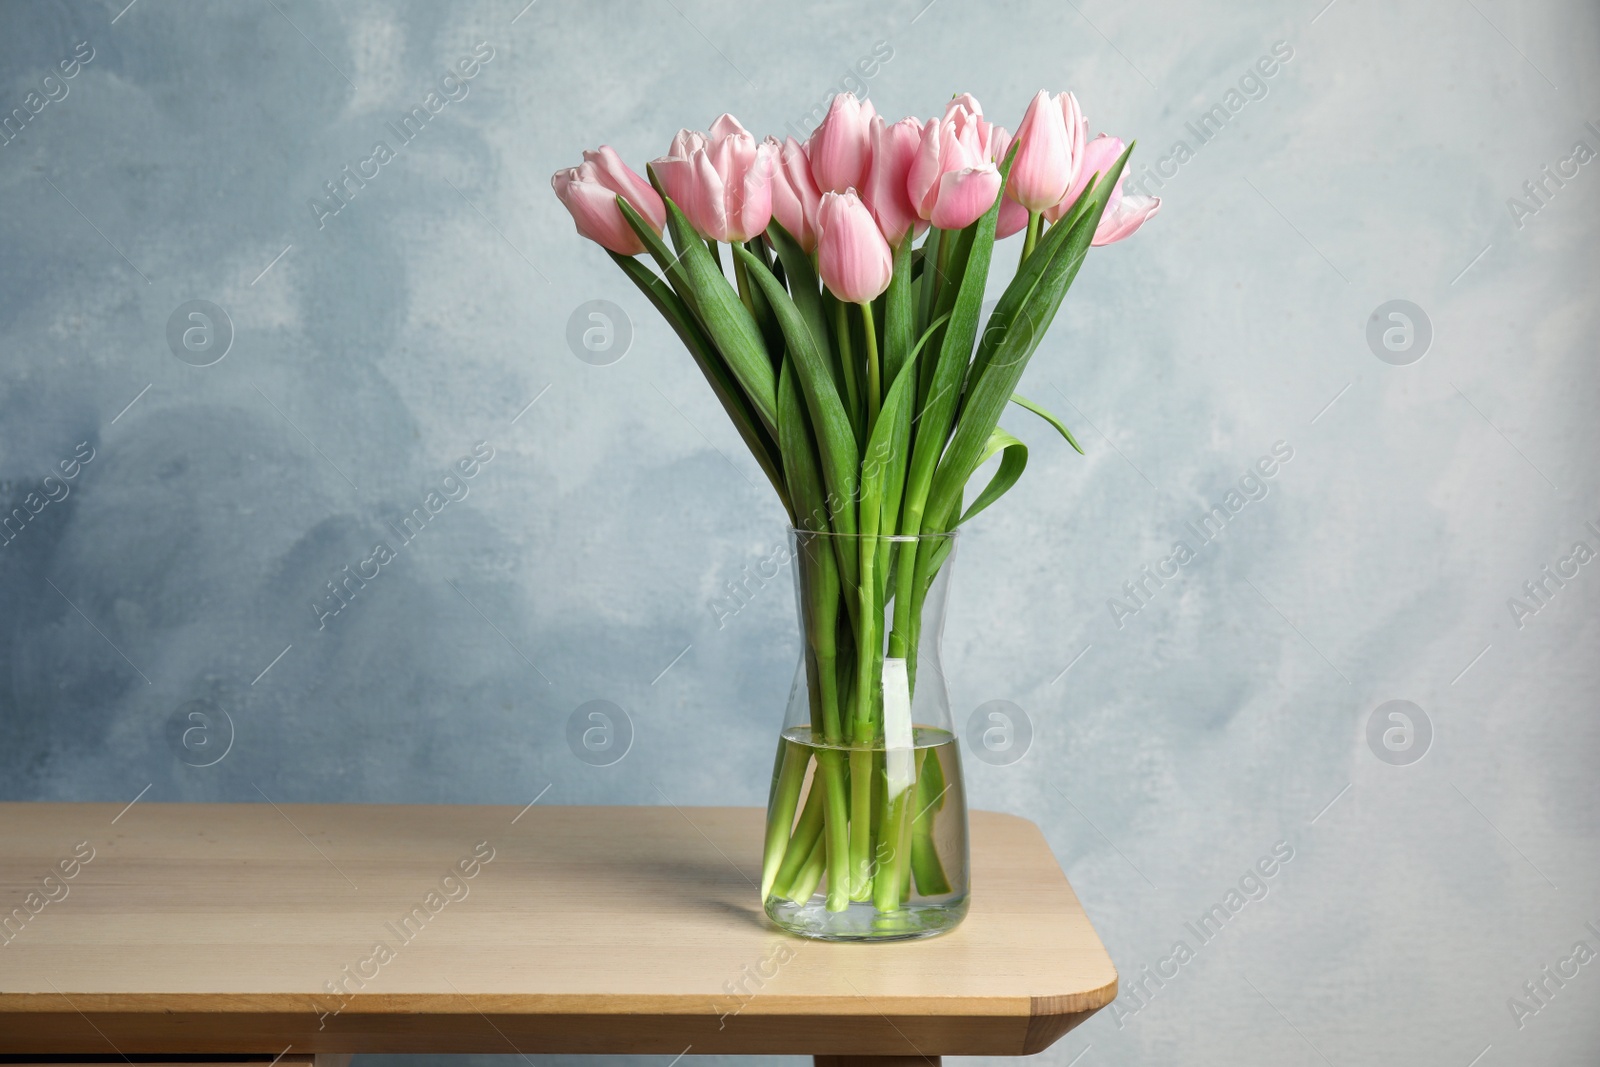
x,y
847,349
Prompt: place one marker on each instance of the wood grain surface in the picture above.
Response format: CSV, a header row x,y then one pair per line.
x,y
252,928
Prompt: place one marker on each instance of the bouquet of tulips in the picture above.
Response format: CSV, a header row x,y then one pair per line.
x,y
850,358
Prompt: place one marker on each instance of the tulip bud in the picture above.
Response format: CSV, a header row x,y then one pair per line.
x,y
721,182
961,148
589,191
795,198
841,148
853,258
894,148
965,102
674,169
1051,152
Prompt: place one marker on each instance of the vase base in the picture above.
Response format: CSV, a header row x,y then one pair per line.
x,y
862,921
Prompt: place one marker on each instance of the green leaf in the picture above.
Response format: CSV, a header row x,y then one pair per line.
x,y
836,442
818,571
768,325
938,409
802,278
725,317
955,246
1013,461
1013,313
734,402
670,266
1061,427
992,391
883,463
799,454
899,318
926,283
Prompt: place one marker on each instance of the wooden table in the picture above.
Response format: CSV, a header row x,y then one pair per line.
x,y
318,930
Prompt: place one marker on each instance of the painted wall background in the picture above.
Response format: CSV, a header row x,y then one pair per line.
x,y
374,347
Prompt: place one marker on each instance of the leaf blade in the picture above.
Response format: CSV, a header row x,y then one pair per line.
x,y
1039,410
1013,460
725,318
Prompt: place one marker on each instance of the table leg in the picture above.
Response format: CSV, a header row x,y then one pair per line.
x,y
876,1061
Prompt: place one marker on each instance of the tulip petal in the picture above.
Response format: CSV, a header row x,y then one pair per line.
x,y
1124,220
1013,218
594,210
964,195
840,149
708,204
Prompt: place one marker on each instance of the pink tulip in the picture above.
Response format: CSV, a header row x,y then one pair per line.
x,y
841,148
795,198
955,160
589,191
852,256
1013,216
1125,217
672,169
1124,213
967,114
1013,219
894,148
967,102
1052,151
722,182
1098,157
964,195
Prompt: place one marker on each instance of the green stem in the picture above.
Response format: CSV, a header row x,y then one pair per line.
x,y
916,812
841,329
945,248
830,767
935,293
1032,239
894,850
931,786
902,639
830,774
820,569
742,277
791,771
861,775
868,645
805,882
874,371
807,832
929,279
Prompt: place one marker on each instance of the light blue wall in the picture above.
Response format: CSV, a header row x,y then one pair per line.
x,y
1219,720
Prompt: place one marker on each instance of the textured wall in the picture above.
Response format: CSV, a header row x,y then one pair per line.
x,y
371,349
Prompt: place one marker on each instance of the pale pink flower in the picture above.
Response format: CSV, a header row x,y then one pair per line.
x,y
852,256
589,191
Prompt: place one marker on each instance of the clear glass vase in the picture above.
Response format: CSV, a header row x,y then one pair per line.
x,y
867,818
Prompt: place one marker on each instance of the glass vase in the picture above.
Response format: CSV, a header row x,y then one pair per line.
x,y
867,818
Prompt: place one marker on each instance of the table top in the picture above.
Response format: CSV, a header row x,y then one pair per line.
x,y
242,928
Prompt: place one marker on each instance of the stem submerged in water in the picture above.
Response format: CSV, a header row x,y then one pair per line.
x,y
791,772
832,822
830,767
